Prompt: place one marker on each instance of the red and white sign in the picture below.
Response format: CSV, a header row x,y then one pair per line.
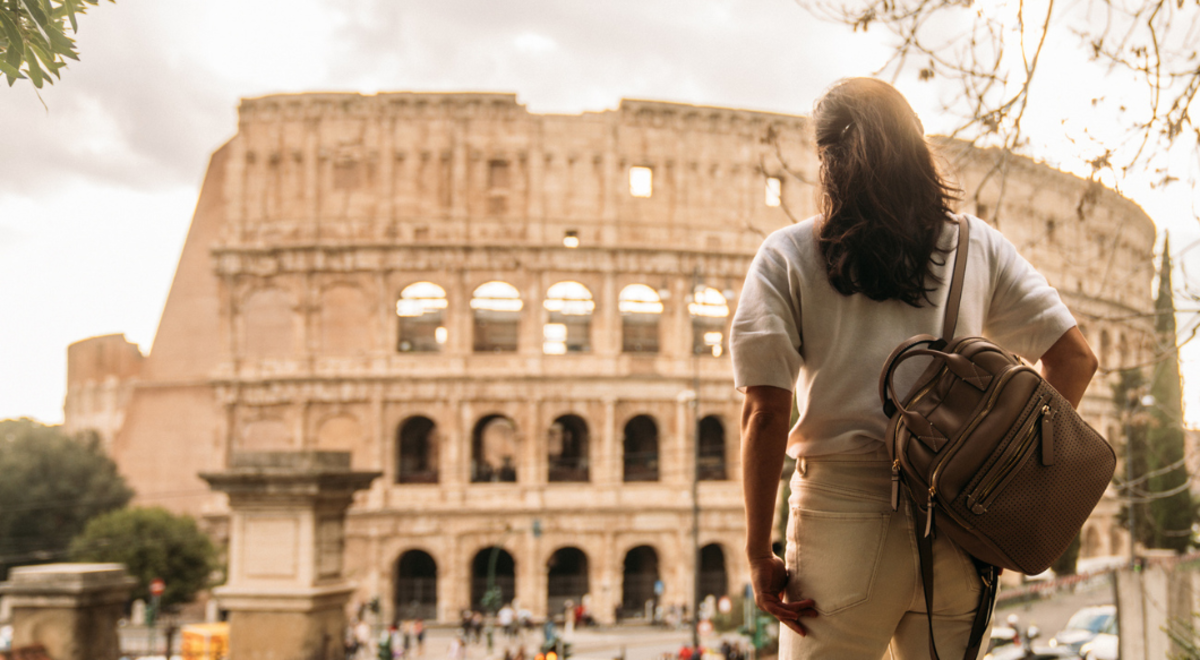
x,y
157,587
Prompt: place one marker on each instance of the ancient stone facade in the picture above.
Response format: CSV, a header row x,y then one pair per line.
x,y
101,372
521,321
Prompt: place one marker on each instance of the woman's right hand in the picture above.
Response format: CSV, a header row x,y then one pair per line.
x,y
769,577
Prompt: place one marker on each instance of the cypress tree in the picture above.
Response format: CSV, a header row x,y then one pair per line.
x,y
1171,515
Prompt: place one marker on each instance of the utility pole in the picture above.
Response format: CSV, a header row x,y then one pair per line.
x,y
695,476
1130,399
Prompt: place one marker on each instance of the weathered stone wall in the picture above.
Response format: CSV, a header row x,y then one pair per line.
x,y
282,332
101,372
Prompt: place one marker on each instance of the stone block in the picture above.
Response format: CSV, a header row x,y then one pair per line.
x,y
70,609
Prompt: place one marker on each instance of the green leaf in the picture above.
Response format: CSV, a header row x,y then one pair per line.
x,y
39,18
16,43
41,53
61,43
10,71
69,6
35,72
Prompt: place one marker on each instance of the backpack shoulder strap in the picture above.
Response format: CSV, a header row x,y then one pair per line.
x,y
956,280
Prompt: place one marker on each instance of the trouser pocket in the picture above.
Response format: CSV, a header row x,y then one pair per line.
x,y
833,556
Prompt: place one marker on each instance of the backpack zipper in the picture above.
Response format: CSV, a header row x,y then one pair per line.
x,y
976,501
949,451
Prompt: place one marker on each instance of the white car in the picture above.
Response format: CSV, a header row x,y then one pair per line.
x,y
1084,626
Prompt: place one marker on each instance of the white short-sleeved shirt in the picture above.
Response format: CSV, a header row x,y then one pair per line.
x,y
794,331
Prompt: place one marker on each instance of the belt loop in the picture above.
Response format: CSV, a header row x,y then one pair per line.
x,y
801,466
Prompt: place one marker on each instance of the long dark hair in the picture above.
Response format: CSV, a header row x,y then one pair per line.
x,y
883,200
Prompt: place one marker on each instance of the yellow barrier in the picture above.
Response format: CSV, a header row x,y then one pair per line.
x,y
205,641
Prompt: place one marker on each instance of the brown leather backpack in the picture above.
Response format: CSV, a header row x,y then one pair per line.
x,y
990,453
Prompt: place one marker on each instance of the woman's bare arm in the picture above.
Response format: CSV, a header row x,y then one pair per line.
x,y
1069,365
766,412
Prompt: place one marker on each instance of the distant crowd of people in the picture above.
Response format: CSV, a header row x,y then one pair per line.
x,y
401,639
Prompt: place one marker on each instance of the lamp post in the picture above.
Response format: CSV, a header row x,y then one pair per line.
x,y
695,474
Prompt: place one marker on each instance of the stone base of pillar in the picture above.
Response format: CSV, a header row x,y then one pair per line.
x,y
286,625
70,609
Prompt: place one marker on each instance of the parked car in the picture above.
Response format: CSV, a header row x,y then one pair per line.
x,y
1084,625
1104,646
1008,643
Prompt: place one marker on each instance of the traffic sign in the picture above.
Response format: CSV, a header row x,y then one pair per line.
x,y
157,587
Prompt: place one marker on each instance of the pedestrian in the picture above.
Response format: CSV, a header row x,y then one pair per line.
x,y
407,632
824,303
456,650
362,635
505,618
384,648
477,626
350,643
419,631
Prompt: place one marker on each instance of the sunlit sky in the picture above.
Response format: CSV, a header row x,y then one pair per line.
x,y
96,192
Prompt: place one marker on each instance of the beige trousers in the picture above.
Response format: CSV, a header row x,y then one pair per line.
x,y
853,555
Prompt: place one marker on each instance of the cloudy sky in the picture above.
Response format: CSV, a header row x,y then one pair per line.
x,y
96,192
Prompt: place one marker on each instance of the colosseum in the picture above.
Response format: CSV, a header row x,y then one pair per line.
x,y
520,320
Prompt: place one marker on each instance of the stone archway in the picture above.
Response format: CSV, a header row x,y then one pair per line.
x,y
416,586
567,579
505,576
638,581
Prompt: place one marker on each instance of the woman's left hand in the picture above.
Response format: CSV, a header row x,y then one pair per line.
x,y
769,576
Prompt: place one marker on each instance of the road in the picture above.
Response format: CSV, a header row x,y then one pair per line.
x,y
634,642
1052,614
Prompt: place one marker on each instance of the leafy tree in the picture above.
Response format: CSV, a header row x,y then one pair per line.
x,y
1171,508
50,486
33,38
151,543
1131,448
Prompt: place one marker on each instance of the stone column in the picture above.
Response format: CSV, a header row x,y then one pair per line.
x,y
285,592
70,609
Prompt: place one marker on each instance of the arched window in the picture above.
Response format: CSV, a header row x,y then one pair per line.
x,y
640,308
499,565
710,457
709,311
416,586
641,449
567,446
637,582
567,579
494,450
421,310
1105,349
569,326
713,579
497,308
416,460
1123,356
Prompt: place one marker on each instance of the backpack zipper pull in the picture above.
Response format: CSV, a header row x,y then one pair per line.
x,y
895,484
1047,435
929,514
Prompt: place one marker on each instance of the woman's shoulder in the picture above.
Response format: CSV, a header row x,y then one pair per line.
x,y
797,238
990,240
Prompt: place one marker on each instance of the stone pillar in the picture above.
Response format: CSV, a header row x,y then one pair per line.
x,y
285,592
70,609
